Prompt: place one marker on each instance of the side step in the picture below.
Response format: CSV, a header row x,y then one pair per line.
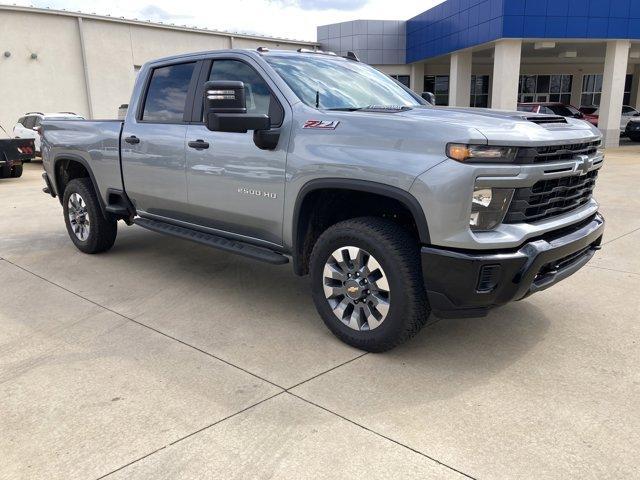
x,y
215,241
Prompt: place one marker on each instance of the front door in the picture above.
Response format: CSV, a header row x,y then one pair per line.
x,y
153,144
235,187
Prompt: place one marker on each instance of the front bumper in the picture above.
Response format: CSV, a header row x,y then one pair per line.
x,y
468,284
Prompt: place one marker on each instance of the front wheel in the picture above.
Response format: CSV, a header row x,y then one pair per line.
x,y
367,283
88,228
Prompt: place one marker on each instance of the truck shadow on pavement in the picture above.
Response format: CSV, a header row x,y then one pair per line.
x,y
475,348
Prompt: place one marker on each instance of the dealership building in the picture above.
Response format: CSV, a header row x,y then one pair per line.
x,y
57,61
478,53
496,53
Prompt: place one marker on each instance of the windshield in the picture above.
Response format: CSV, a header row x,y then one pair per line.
x,y
331,83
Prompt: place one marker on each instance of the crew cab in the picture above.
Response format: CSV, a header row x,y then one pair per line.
x,y
395,208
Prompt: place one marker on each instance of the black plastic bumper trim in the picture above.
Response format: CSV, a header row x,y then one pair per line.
x,y
451,277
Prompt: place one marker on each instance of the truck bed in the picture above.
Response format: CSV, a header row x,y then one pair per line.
x,y
95,143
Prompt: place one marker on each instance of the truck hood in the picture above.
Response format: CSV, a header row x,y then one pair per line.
x,y
501,127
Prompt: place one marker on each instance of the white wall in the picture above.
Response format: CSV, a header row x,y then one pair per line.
x,y
55,81
52,82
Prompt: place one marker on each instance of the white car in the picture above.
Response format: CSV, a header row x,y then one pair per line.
x,y
28,126
628,113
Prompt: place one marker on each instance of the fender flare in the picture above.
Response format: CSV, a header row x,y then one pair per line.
x,y
76,158
402,196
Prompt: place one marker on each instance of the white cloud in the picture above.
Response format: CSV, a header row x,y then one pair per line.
x,y
283,18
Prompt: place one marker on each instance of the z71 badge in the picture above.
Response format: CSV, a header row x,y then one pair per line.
x,y
321,125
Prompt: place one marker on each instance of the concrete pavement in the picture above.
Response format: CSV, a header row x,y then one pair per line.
x,y
165,359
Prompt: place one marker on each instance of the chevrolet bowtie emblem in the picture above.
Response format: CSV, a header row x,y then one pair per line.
x,y
352,290
583,164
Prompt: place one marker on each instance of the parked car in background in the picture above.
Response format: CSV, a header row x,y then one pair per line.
x,y
29,125
633,129
552,108
592,115
13,152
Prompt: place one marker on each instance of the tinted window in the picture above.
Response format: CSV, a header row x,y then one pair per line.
x,y
561,110
30,122
257,93
22,120
628,111
167,93
526,108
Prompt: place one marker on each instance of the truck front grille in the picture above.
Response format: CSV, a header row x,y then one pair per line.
x,y
549,198
554,153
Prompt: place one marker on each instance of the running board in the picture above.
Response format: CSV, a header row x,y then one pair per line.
x,y
215,241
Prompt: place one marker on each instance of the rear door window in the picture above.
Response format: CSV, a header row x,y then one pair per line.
x,y
167,93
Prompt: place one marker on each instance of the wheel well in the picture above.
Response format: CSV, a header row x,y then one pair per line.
x,y
67,170
322,208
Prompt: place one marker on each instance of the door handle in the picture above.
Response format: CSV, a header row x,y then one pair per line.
x,y
199,145
132,140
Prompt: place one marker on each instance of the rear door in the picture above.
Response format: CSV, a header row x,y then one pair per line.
x,y
234,186
153,142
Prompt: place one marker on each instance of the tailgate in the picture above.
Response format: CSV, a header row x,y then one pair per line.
x,y
16,150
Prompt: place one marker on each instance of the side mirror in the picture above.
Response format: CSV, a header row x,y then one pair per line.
x,y
429,97
225,109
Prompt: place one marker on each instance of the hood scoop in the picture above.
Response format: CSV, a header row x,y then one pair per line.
x,y
545,119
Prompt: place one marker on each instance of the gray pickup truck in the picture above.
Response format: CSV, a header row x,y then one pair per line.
x,y
394,207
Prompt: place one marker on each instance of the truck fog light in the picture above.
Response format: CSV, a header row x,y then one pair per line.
x,y
488,207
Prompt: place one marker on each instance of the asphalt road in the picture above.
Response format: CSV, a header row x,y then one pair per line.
x,y
163,359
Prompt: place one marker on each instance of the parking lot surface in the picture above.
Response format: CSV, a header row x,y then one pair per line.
x,y
165,359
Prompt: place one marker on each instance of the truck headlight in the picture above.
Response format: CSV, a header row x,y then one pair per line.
x,y
481,153
488,207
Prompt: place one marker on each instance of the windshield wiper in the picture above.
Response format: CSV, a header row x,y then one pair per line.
x,y
371,107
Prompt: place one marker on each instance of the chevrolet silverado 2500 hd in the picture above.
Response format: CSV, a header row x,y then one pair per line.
x,y
394,207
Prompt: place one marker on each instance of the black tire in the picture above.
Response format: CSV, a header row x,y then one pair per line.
x,y
634,137
102,231
5,172
398,253
16,172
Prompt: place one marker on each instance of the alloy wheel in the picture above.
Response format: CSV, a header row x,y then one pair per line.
x,y
79,217
356,288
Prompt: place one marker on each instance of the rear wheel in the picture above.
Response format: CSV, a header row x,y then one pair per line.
x,y
16,171
88,228
367,283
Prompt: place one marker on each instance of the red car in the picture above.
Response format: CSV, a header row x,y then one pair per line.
x,y
590,114
553,108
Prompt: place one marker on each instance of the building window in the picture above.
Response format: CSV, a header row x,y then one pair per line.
x,y
480,91
545,88
439,86
592,90
403,79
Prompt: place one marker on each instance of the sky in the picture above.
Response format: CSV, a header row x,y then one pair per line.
x,y
295,19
